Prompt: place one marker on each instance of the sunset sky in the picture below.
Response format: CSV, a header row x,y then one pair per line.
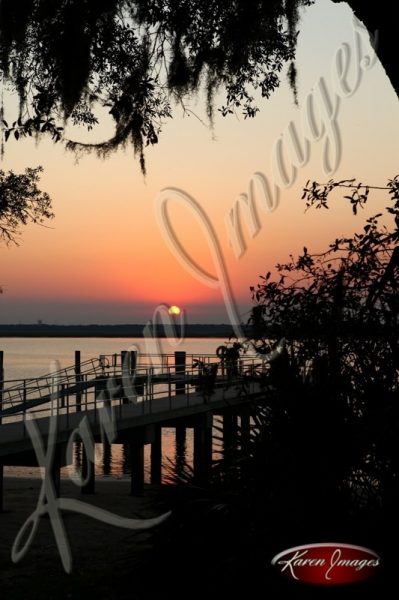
x,y
107,260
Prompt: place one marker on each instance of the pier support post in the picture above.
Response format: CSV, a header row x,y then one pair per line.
x,y
1,488
180,369
88,471
203,446
229,432
156,456
55,472
125,360
180,456
78,376
107,456
1,380
101,392
126,371
133,362
1,406
136,467
245,431
180,436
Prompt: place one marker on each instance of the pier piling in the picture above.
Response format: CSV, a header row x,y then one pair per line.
x,y
180,369
88,472
137,410
1,406
180,436
203,446
245,431
156,456
229,430
136,466
55,470
78,375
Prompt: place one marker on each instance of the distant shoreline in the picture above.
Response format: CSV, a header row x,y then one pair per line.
x,y
111,331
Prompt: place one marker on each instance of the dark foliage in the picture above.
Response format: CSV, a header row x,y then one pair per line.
x,y
334,434
21,202
321,462
68,58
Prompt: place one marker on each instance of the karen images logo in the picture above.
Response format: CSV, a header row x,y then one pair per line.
x,y
327,564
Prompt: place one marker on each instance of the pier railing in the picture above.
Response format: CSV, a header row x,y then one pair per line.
x,y
125,378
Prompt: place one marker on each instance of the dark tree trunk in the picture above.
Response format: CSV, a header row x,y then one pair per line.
x,y
380,17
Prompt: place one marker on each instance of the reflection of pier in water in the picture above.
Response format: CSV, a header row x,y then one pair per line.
x,y
113,460
121,400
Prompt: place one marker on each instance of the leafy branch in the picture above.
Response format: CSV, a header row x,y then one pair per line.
x,y
21,202
67,61
317,194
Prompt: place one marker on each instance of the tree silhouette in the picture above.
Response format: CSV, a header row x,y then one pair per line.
x,y
21,202
379,19
336,422
68,58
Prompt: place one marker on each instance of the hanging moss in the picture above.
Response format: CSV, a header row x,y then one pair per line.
x,y
292,14
67,58
292,79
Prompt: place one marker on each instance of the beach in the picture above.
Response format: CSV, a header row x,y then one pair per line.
x,y
102,554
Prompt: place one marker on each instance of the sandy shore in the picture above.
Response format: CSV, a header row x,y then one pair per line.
x,y
97,548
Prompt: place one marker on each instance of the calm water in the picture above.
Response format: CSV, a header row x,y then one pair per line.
x,y
33,357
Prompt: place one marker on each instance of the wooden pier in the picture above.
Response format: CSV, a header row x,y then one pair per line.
x,y
126,399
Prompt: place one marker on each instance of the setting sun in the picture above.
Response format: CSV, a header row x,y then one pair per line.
x,y
174,310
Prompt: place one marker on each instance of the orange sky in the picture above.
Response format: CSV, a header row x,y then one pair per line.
x,y
105,258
